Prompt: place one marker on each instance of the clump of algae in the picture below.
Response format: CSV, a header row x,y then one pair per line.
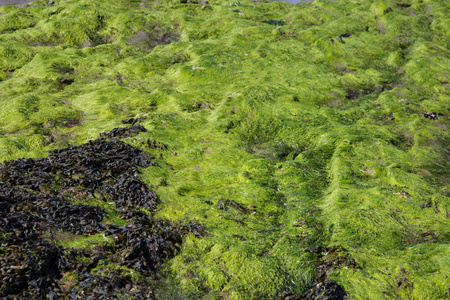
x,y
308,117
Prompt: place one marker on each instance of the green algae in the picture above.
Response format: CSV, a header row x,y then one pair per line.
x,y
79,242
318,138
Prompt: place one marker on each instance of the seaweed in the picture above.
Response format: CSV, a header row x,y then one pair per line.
x,y
109,167
322,287
133,121
314,142
37,201
101,287
124,132
274,22
225,203
29,264
91,166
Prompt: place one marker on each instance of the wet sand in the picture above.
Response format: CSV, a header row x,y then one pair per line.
x,y
14,2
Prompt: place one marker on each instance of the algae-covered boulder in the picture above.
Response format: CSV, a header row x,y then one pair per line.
x,y
225,149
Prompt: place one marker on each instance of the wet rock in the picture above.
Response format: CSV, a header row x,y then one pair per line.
x,y
344,35
431,116
66,81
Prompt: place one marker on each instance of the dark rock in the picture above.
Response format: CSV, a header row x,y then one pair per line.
x,y
67,81
344,35
431,116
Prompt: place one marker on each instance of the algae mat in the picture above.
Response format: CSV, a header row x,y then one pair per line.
x,y
310,141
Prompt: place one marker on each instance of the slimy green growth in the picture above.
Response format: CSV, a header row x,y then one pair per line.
x,y
281,128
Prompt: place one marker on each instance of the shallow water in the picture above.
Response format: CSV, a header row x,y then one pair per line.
x,y
13,2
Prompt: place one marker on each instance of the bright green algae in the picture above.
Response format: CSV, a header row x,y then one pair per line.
x,y
321,142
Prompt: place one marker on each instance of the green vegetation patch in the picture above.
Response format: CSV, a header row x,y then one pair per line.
x,y
303,137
